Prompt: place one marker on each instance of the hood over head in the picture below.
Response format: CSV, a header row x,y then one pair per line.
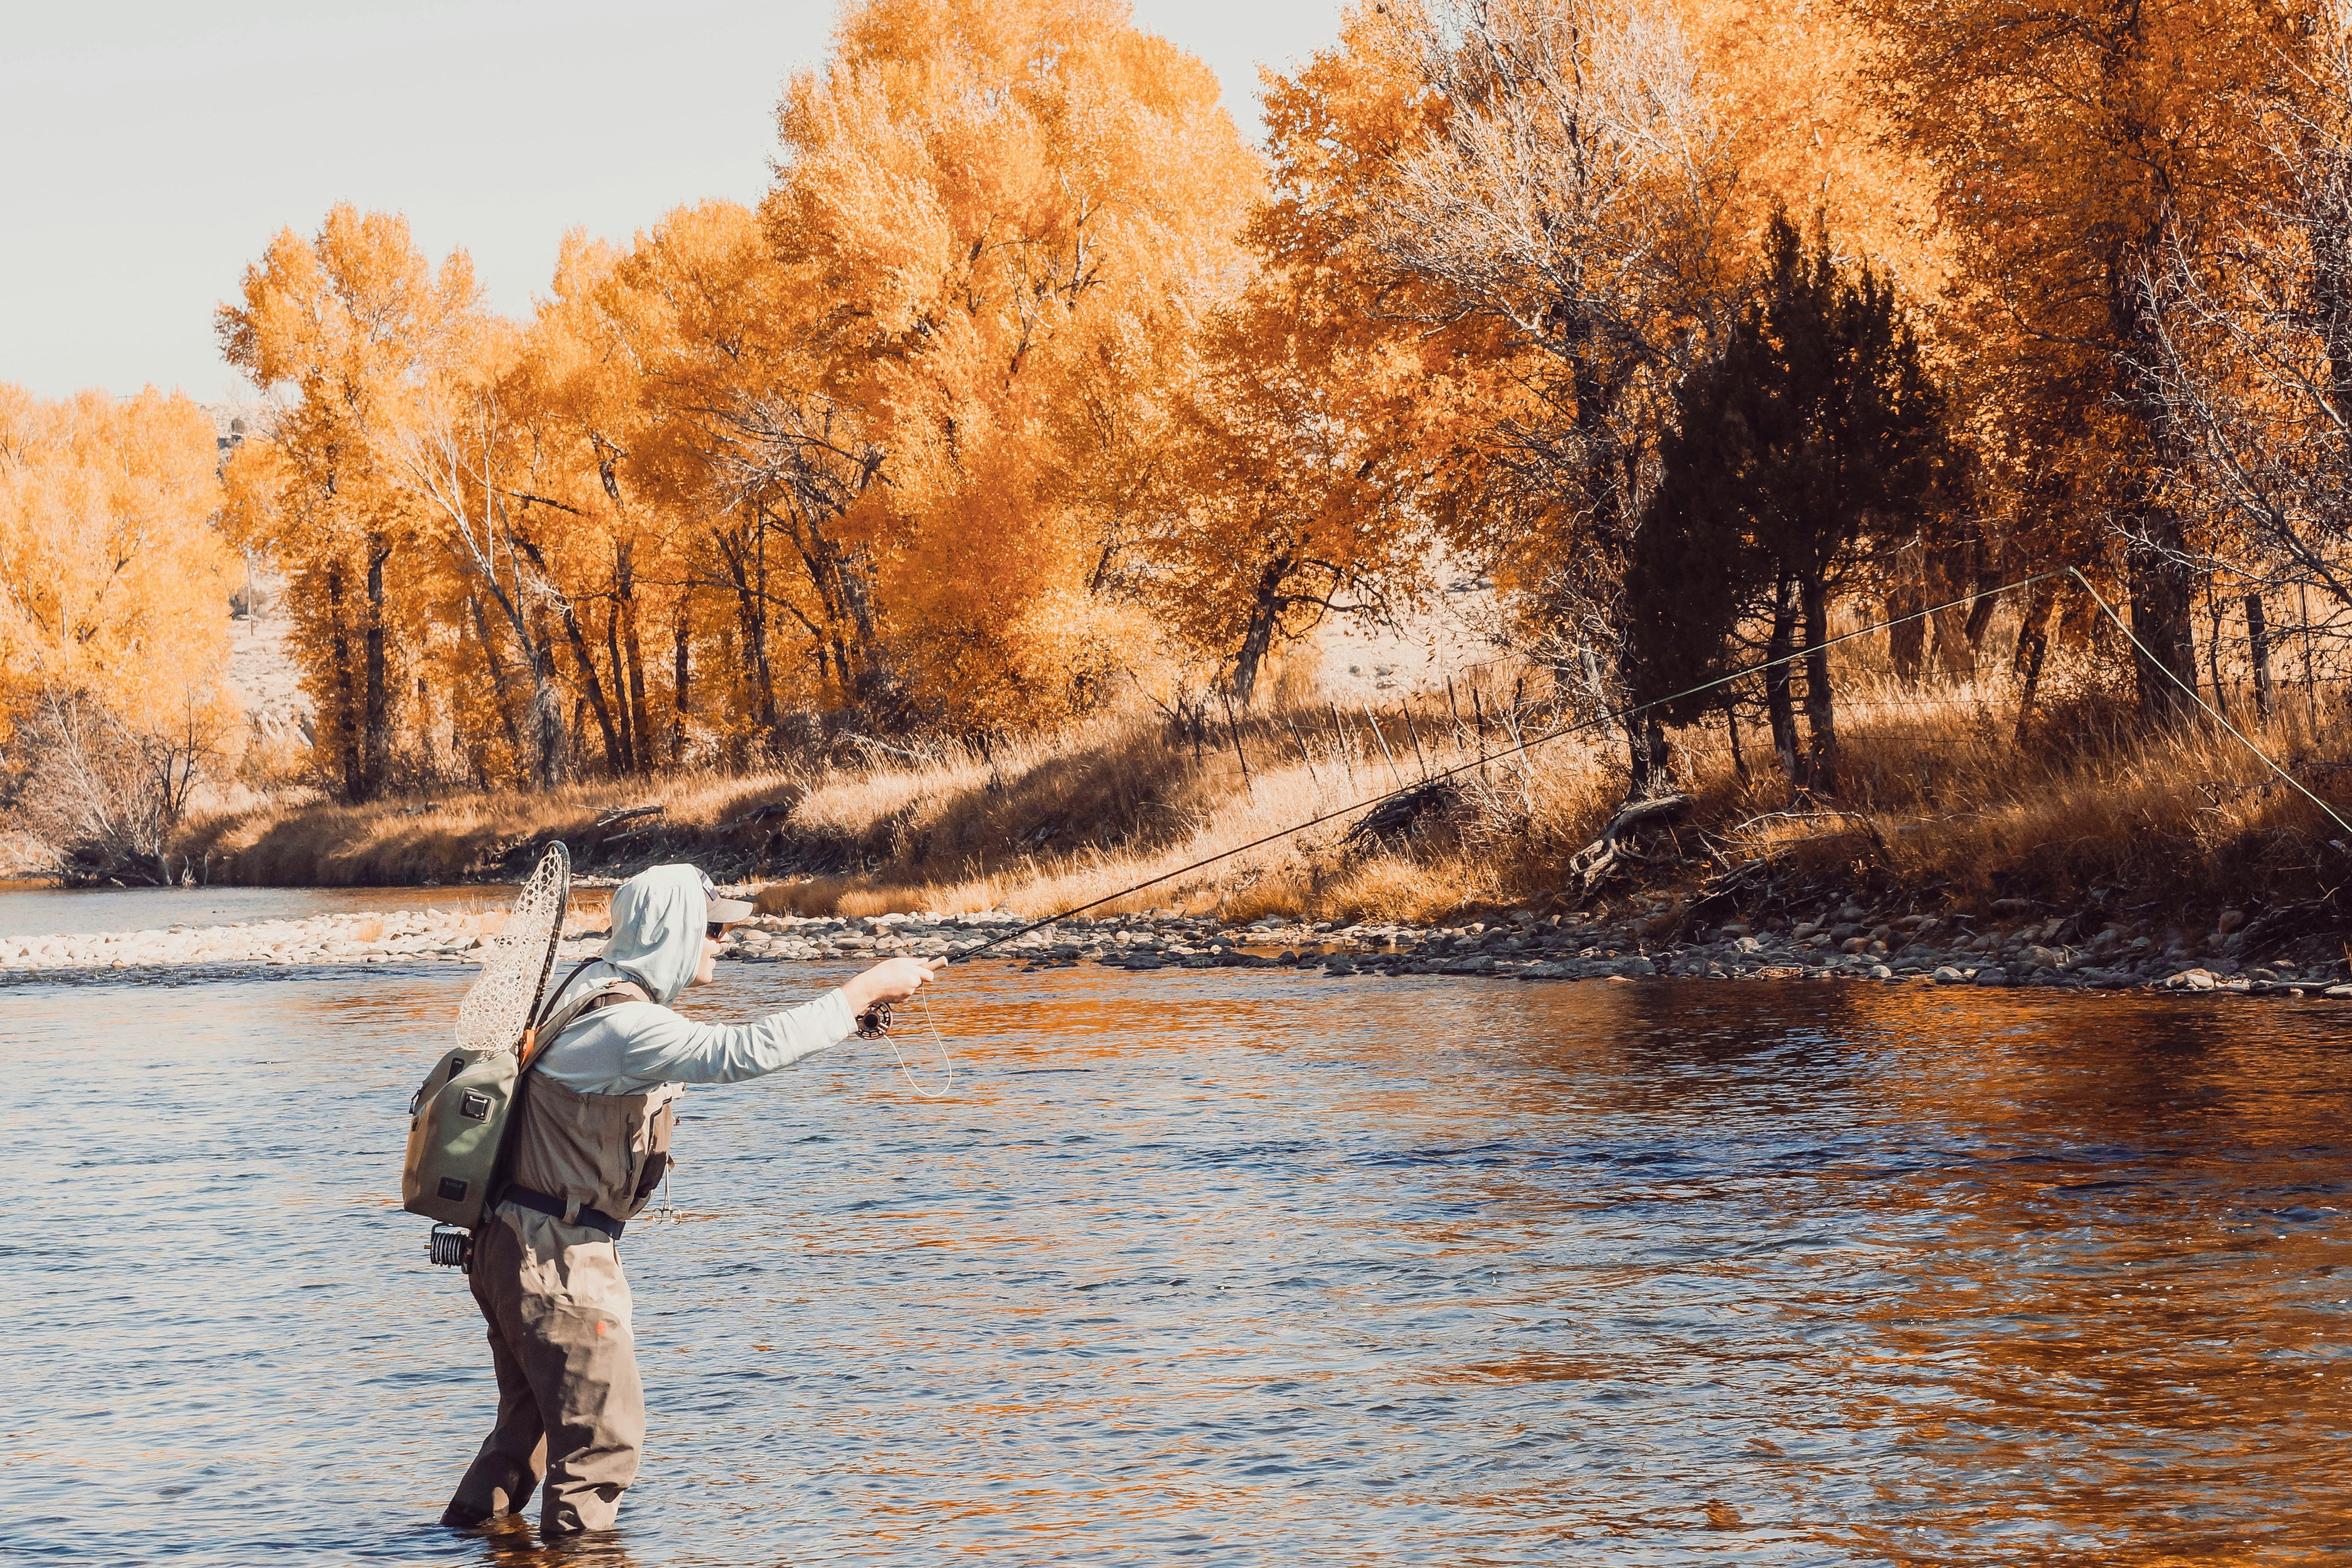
x,y
658,916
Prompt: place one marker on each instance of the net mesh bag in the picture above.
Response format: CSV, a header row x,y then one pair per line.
x,y
504,998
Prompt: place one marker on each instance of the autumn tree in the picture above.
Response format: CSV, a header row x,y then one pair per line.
x,y
998,220
1278,510
1532,190
113,626
349,322
2080,145
2252,358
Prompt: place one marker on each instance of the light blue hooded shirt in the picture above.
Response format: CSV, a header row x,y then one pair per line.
x,y
656,940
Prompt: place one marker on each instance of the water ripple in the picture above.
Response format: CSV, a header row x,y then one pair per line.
x,y
1234,1268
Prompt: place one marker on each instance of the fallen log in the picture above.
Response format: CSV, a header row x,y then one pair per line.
x,y
1614,850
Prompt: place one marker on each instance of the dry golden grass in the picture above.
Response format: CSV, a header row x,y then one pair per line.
x,y
1940,791
1939,797
298,840
1056,827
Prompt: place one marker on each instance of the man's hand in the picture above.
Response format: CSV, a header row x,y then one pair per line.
x,y
892,980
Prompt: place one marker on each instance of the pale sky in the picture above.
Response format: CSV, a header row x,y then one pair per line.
x,y
152,150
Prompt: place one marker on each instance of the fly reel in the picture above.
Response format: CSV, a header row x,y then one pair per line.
x,y
875,1022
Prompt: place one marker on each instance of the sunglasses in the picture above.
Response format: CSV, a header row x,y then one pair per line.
x,y
715,932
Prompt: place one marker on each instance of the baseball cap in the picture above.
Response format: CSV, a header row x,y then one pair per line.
x,y
723,911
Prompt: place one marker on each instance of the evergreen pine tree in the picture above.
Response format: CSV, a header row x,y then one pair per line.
x,y
1815,428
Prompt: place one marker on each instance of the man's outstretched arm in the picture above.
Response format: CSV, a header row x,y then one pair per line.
x,y
638,1046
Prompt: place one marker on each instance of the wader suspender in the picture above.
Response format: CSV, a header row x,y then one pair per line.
x,y
536,1040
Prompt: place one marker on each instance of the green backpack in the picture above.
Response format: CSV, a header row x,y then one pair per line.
x,y
458,1117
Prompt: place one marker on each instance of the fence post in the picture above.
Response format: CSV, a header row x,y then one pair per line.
x,y
2037,645
1383,740
1303,756
1235,731
2310,695
1415,735
2257,640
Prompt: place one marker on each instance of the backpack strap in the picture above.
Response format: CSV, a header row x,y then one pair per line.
x,y
557,1019
561,1011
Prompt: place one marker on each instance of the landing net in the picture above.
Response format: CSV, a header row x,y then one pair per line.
x,y
504,998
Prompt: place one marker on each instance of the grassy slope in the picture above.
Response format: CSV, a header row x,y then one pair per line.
x,y
1942,804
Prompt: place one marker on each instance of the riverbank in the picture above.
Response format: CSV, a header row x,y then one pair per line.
x,y
2080,843
1910,949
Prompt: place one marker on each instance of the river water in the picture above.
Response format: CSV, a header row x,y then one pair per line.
x,y
1234,1268
31,911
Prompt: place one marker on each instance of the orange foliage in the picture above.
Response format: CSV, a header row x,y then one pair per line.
x,y
1027,380
111,578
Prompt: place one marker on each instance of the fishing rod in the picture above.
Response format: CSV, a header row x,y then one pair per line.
x,y
1598,721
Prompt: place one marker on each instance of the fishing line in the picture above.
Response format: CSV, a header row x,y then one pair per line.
x,y
946,1061
1599,720
2200,700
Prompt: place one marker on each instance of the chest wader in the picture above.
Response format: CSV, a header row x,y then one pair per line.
x,y
547,1276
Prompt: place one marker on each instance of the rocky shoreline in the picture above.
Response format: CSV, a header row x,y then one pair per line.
x,y
1848,943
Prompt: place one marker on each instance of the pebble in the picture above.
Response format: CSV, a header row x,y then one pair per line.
x,y
1562,948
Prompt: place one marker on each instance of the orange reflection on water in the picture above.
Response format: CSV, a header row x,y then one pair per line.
x,y
1252,1265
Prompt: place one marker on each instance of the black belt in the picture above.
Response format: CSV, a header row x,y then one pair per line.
x,y
594,1219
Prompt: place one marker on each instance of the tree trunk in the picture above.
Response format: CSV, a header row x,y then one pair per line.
x,y
873,677
641,741
1652,761
615,761
2161,578
730,663
499,696
346,717
620,687
680,694
421,698
2213,651
1779,712
1601,706
1648,760
2258,641
2032,624
1953,653
1265,607
1980,610
752,612
554,761
2163,588
1820,713
1906,639
375,747
2031,648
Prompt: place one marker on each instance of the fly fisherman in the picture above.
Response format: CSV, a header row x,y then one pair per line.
x,y
590,1143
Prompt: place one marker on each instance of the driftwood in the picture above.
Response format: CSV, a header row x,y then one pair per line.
x,y
871,744
1400,816
1614,849
621,814
2282,924
759,813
